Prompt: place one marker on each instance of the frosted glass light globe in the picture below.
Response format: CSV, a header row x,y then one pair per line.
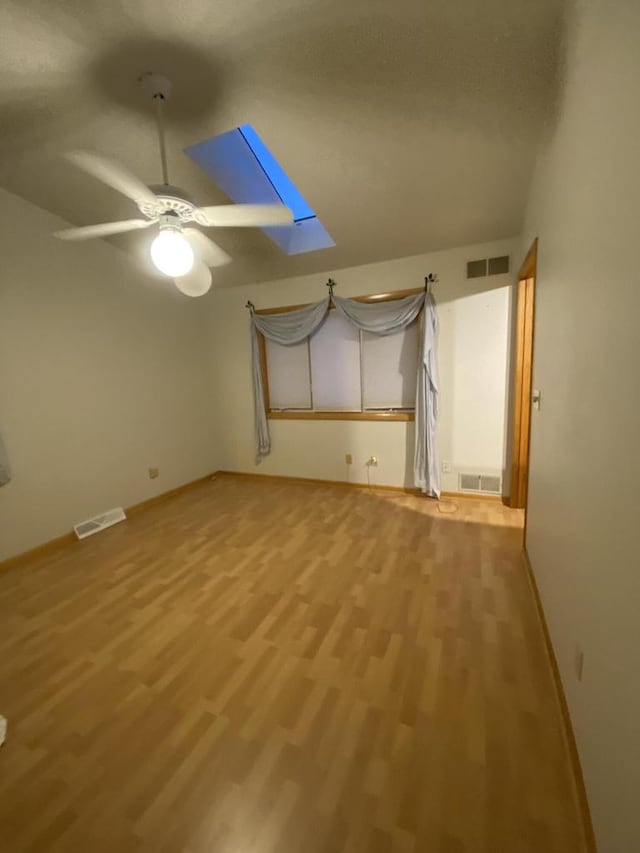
x,y
195,283
171,253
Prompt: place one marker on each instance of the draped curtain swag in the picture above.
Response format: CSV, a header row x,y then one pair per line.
x,y
379,318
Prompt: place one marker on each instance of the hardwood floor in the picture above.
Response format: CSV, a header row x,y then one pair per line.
x,y
276,668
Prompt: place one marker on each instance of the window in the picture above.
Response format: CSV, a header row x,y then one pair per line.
x,y
389,365
289,386
340,372
335,365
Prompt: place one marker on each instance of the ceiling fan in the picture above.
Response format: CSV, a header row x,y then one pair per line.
x,y
179,250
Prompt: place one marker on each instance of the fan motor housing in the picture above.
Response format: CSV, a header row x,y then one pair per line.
x,y
169,199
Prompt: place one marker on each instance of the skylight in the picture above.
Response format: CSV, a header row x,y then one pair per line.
x,y
282,183
240,163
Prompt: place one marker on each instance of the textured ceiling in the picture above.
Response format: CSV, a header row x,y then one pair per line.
x,y
409,125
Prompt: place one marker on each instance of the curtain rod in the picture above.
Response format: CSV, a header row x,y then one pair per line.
x,y
429,279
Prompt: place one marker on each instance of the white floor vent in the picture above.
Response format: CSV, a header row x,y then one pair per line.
x,y
486,483
99,522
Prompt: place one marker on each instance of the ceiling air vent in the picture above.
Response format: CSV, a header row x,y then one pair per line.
x,y
99,522
485,483
477,269
499,266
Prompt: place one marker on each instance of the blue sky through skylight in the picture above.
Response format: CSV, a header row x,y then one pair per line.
x,y
282,183
240,163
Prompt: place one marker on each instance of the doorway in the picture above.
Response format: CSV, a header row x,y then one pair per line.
x,y
523,378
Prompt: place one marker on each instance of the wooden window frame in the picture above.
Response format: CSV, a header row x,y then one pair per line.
x,y
307,414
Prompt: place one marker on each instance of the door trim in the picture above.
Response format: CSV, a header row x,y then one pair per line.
x,y
523,376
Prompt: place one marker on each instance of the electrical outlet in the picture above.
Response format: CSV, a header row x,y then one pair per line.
x,y
447,467
154,473
579,663
348,458
372,461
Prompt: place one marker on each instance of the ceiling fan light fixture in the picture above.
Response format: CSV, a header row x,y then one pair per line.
x,y
171,252
185,256
196,283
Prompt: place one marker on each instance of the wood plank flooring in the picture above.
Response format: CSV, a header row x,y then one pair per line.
x,y
274,668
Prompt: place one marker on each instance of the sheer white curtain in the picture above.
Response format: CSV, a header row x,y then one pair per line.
x,y
380,318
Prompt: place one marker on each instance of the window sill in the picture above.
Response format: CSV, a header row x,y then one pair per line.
x,y
303,415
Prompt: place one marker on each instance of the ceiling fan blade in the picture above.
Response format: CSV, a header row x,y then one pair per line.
x,y
88,232
113,175
206,249
239,215
196,282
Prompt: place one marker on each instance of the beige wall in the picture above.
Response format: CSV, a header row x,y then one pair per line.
x,y
474,319
103,373
585,466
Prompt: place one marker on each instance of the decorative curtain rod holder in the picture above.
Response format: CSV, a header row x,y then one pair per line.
x,y
429,279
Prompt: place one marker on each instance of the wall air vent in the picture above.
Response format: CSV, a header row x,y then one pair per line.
x,y
486,483
492,266
499,266
99,522
477,269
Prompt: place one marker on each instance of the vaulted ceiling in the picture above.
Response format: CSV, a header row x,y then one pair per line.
x,y
409,125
